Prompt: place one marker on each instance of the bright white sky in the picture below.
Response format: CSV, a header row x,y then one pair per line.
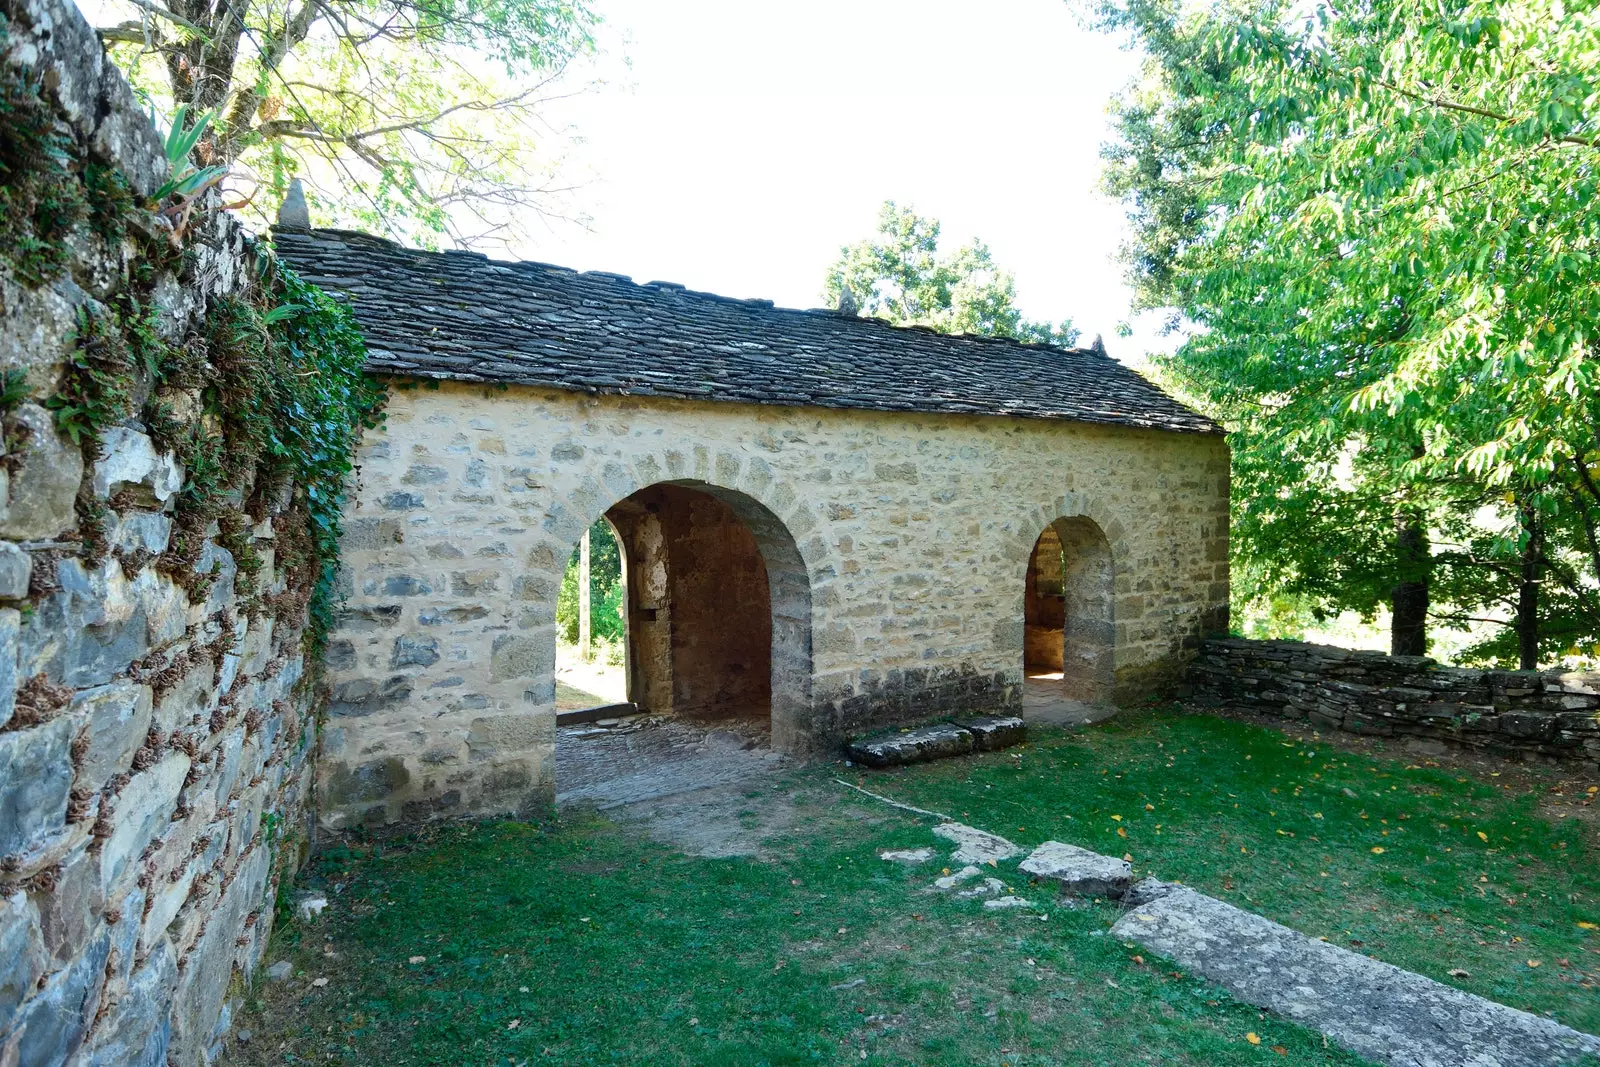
x,y
750,140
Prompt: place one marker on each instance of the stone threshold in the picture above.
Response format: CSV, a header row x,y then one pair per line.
x,y
604,711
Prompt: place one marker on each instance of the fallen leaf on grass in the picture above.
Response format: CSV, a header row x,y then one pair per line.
x,y
1378,850
1253,1038
1483,836
1533,963
1588,926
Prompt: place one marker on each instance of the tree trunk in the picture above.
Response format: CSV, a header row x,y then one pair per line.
x,y
584,631
1408,633
1528,589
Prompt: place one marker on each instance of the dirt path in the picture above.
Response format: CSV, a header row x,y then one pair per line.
x,y
692,784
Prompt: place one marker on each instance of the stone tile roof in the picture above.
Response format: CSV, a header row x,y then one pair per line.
x,y
463,316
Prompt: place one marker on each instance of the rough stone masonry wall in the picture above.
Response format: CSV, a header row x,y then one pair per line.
x,y
154,739
910,535
1513,713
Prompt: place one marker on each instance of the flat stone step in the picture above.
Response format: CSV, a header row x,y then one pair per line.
x,y
1374,1009
1078,871
939,741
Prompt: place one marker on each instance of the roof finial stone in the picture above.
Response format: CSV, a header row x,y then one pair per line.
x,y
847,301
294,213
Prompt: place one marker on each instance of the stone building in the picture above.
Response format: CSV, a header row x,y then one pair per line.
x,y
825,519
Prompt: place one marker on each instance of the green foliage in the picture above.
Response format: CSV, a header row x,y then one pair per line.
x,y
187,180
322,402
900,275
41,200
1380,221
419,118
607,621
13,388
94,390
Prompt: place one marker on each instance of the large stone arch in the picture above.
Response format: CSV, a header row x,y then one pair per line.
x,y
767,506
1094,550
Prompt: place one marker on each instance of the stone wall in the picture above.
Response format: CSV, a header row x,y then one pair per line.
x,y
155,736
896,548
1513,713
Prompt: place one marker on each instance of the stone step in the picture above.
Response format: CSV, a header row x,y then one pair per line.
x,y
938,741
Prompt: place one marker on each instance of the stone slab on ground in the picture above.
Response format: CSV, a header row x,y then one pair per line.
x,y
974,845
984,734
913,746
1078,871
907,855
991,733
1374,1009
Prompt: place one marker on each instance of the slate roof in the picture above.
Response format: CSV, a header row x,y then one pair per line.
x,y
463,316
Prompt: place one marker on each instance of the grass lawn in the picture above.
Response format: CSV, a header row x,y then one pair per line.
x,y
585,942
1423,868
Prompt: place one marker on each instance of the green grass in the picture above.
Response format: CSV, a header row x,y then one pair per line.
x,y
1468,878
585,942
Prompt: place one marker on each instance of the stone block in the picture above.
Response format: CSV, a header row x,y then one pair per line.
x,y
363,696
413,651
1078,871
69,913
143,810
138,1032
913,746
366,782
22,955
44,488
141,531
514,656
88,632
129,458
16,567
117,717
974,845
10,624
35,779
203,984
992,733
54,1020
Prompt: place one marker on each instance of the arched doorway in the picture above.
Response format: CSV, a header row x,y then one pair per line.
x,y
715,608
1069,632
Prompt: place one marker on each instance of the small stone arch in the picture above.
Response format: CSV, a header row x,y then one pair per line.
x,y
755,498
1069,608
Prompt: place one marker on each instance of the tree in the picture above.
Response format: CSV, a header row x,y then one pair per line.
x,y
419,117
1380,220
900,275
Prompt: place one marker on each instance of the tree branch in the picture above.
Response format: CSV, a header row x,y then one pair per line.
x,y
1452,105
162,13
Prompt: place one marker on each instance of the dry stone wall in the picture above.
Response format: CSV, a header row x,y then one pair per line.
x,y
896,544
1552,714
155,728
